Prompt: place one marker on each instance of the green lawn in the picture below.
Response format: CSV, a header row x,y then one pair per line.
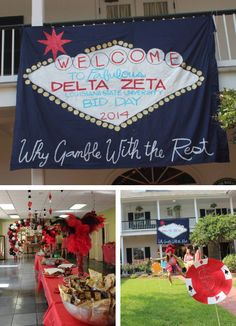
x,y
155,302
234,282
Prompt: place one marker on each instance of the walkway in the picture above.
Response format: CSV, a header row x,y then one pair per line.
x,y
230,302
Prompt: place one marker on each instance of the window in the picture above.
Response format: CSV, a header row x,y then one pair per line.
x,y
215,211
155,8
139,216
141,253
118,11
138,253
154,176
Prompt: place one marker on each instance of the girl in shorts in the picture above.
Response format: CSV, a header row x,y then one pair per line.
x,y
172,263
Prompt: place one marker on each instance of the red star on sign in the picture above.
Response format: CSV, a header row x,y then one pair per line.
x,y
54,43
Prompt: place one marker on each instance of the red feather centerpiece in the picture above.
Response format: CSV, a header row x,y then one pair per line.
x,y
79,229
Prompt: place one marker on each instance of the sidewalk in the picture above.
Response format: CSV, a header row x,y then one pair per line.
x,y
230,302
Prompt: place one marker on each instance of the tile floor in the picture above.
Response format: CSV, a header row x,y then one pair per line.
x,y
20,305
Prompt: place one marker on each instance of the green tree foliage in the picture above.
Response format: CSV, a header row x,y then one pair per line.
x,y
230,262
214,229
227,109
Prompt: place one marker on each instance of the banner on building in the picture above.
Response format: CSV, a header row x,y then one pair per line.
x,y
118,95
175,231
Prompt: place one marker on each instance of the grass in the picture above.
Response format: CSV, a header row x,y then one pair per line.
x,y
154,302
234,282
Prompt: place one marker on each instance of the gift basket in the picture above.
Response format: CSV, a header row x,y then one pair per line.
x,y
91,299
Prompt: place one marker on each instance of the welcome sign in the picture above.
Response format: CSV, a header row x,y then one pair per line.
x,y
118,95
174,231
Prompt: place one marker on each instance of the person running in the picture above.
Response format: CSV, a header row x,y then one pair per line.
x,y
172,263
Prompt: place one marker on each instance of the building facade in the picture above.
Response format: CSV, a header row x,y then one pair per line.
x,y
53,12
140,211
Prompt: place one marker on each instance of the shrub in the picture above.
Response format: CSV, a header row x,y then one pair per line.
x,y
141,266
230,262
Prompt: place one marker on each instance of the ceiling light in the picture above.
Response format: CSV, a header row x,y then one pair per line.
x,y
64,216
14,216
4,285
7,207
78,206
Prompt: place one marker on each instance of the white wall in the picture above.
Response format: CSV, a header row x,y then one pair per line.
x,y
203,5
16,8
141,242
147,207
70,10
5,226
96,251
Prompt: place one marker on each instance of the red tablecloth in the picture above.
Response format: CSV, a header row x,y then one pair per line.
x,y
37,261
109,252
56,314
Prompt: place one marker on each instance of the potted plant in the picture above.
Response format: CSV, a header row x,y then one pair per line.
x,y
213,205
139,208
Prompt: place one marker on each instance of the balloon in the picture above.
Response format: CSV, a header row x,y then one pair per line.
x,y
208,281
156,268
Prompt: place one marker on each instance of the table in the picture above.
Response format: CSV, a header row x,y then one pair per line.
x,y
37,261
34,247
56,314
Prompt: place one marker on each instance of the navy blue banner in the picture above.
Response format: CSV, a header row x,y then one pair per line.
x,y
118,95
175,231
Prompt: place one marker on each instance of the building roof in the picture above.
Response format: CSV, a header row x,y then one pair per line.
x,y
147,195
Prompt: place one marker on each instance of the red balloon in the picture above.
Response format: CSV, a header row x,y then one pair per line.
x,y
29,203
208,281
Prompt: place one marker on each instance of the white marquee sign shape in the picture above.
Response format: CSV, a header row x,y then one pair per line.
x,y
113,85
172,230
